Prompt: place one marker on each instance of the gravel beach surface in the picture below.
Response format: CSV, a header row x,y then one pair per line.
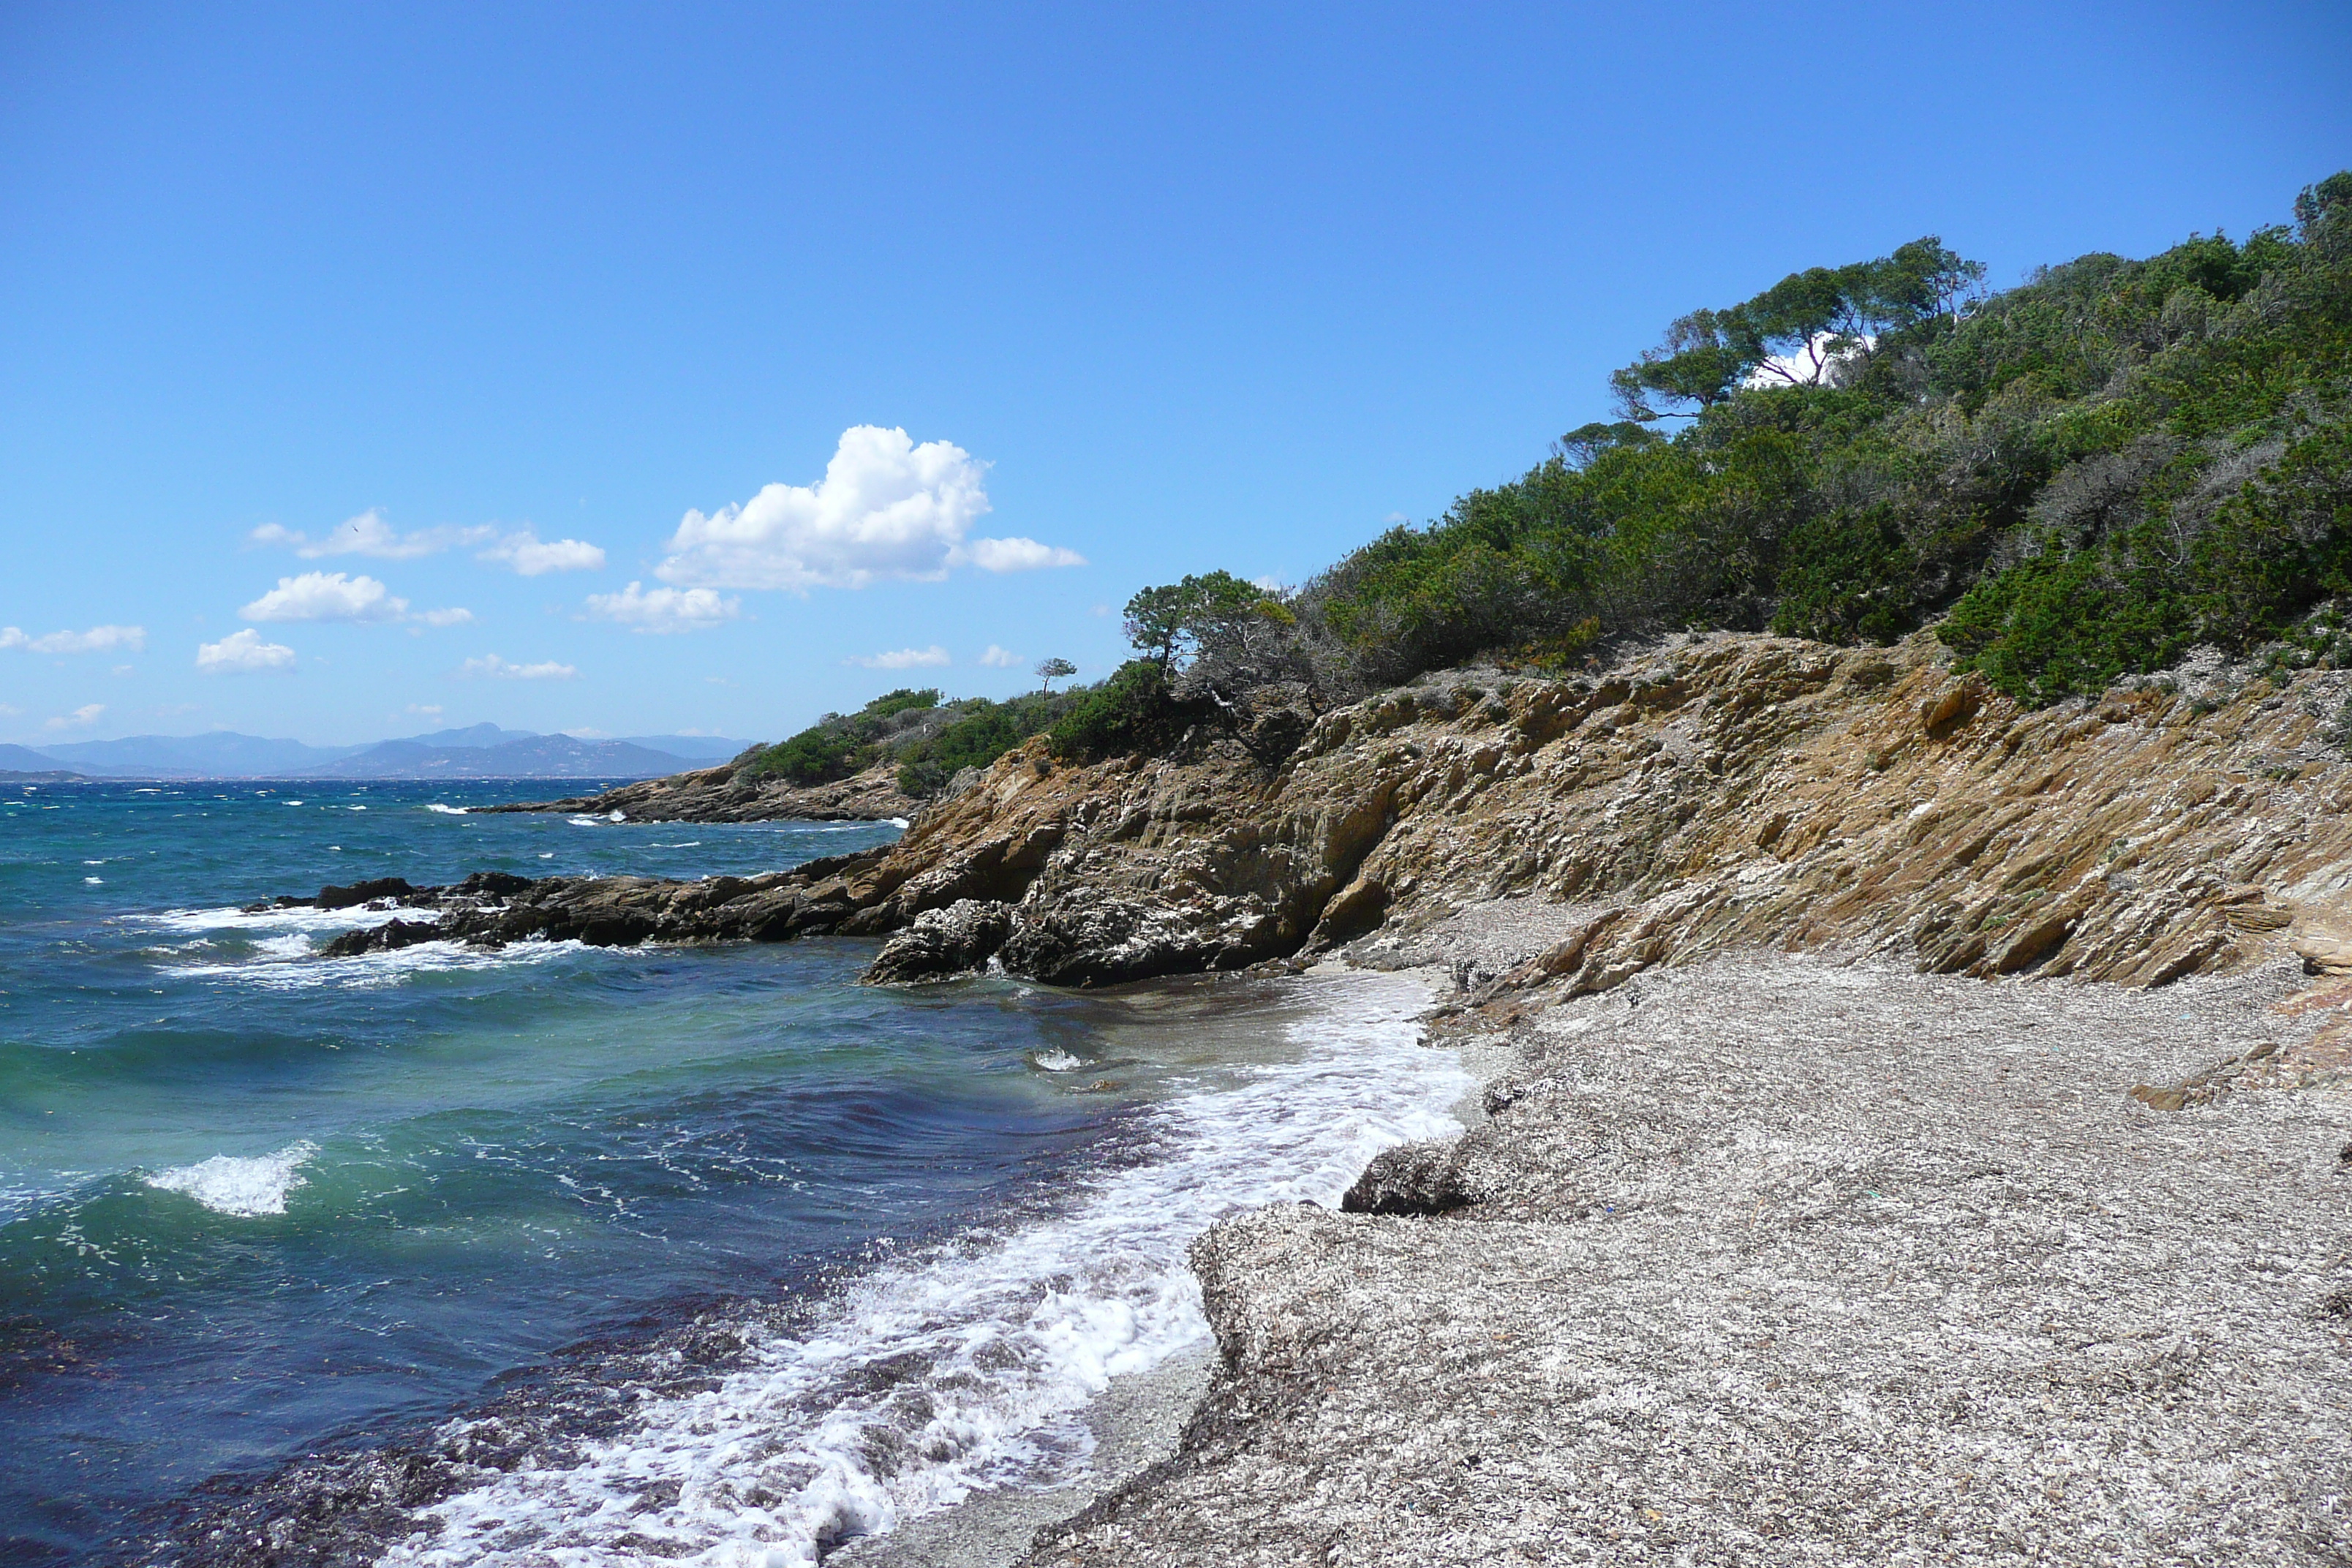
x,y
1787,1260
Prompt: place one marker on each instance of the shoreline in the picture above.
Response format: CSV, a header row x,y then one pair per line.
x,y
1140,1422
1809,1257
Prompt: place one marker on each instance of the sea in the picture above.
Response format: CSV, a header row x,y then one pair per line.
x,y
699,1253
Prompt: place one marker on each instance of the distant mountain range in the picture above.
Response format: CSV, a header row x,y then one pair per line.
x,y
480,751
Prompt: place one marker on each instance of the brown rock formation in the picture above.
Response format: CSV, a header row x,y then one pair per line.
x,y
1717,793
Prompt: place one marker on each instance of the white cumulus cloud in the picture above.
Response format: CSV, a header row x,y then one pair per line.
x,y
531,556
244,653
80,718
332,596
903,658
663,609
98,640
886,508
326,597
491,665
368,534
998,659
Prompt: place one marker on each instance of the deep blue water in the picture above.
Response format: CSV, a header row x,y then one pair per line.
x,y
253,1203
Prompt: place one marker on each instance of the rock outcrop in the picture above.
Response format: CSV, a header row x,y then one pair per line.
x,y
713,794
1713,794
491,909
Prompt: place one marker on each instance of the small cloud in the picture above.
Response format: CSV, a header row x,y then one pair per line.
x,y
491,665
887,508
326,597
904,658
1396,518
444,617
590,734
997,659
1019,556
98,640
125,669
531,556
1266,582
79,719
424,709
664,609
368,534
9,711
1099,610
244,653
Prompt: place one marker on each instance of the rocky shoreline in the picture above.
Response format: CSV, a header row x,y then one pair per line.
x,y
1712,795
1824,1211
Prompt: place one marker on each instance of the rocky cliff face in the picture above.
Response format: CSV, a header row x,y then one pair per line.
x,y
1715,793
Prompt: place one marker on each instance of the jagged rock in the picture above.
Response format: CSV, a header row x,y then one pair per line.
x,y
1410,1179
357,894
2323,939
387,938
953,940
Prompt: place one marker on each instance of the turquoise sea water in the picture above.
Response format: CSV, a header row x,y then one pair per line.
x,y
256,1206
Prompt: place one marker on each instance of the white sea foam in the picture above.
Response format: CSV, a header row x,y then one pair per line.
x,y
247,1187
447,810
1000,1342
273,919
585,821
1054,1060
286,963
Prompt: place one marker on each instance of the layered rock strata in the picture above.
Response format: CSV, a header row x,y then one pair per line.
x,y
1708,795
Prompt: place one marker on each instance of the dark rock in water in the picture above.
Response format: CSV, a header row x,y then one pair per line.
x,y
497,884
332,898
953,940
387,938
1410,1179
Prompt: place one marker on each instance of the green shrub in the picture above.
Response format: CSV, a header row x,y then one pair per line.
x,y
1132,712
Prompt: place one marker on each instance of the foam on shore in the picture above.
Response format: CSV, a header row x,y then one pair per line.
x,y
972,1365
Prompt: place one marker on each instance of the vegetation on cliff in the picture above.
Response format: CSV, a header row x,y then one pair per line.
x,y
928,738
2081,476
2074,480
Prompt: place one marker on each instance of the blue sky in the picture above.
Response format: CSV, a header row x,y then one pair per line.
x,y
324,324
